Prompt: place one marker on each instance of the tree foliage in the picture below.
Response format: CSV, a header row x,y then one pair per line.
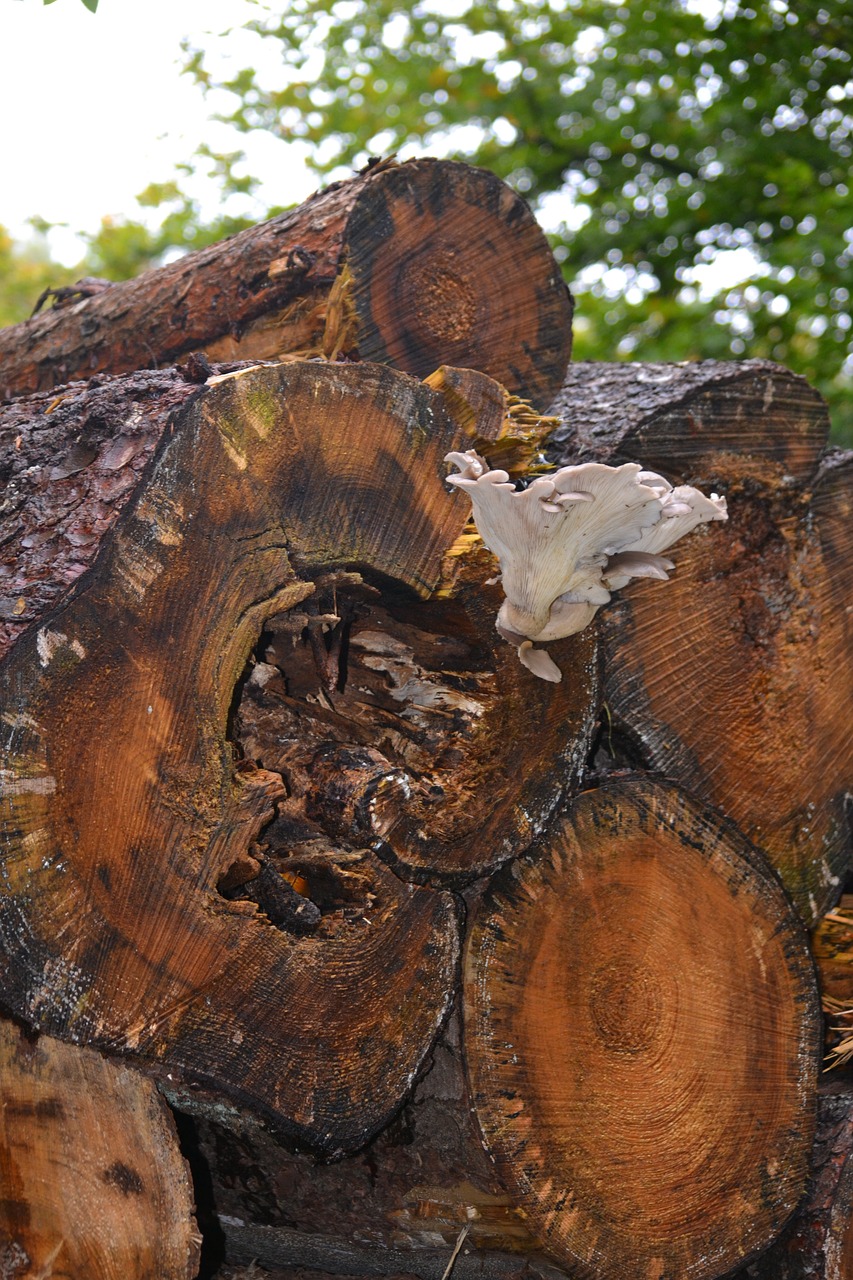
x,y
91,5
656,139
25,272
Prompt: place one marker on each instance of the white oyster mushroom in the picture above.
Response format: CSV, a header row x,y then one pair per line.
x,y
571,537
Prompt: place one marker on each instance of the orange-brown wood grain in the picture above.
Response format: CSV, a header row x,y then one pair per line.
x,y
92,1181
733,678
121,805
642,1031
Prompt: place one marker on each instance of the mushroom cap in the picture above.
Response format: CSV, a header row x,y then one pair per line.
x,y
573,536
553,538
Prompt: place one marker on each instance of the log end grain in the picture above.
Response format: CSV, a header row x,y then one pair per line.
x,y
450,267
642,1025
92,1182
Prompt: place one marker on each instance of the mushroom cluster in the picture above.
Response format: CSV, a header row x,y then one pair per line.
x,y
571,537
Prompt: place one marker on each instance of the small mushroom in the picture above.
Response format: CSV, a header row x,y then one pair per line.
x,y
571,537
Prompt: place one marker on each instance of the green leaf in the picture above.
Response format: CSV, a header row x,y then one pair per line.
x,y
91,5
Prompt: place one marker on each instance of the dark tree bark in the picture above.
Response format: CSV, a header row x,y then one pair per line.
x,y
733,678
692,419
818,1243
69,464
417,265
92,1183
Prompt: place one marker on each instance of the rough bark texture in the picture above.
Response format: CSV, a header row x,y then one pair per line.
x,y
642,1031
818,1243
69,463
417,265
92,1183
733,678
691,419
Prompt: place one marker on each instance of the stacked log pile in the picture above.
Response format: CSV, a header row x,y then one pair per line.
x,y
444,968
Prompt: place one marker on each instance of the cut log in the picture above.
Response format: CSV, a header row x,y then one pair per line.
x,y
692,419
293,970
733,678
642,1037
417,265
122,809
92,1182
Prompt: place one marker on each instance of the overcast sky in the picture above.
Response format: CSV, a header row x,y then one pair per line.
x,y
93,108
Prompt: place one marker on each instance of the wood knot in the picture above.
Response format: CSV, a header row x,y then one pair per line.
x,y
127,1180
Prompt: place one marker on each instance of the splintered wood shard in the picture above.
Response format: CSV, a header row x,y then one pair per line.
x,y
122,810
417,265
734,678
642,1030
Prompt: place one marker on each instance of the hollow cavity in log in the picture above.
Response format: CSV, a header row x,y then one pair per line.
x,y
411,726
122,812
642,1031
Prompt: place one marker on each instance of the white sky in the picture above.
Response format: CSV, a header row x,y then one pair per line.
x,y
93,108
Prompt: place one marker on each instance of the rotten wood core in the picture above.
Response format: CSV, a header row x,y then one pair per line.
x,y
417,265
642,1038
732,678
413,728
92,1182
299,497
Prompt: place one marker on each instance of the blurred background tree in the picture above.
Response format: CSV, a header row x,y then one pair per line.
x,y
691,159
